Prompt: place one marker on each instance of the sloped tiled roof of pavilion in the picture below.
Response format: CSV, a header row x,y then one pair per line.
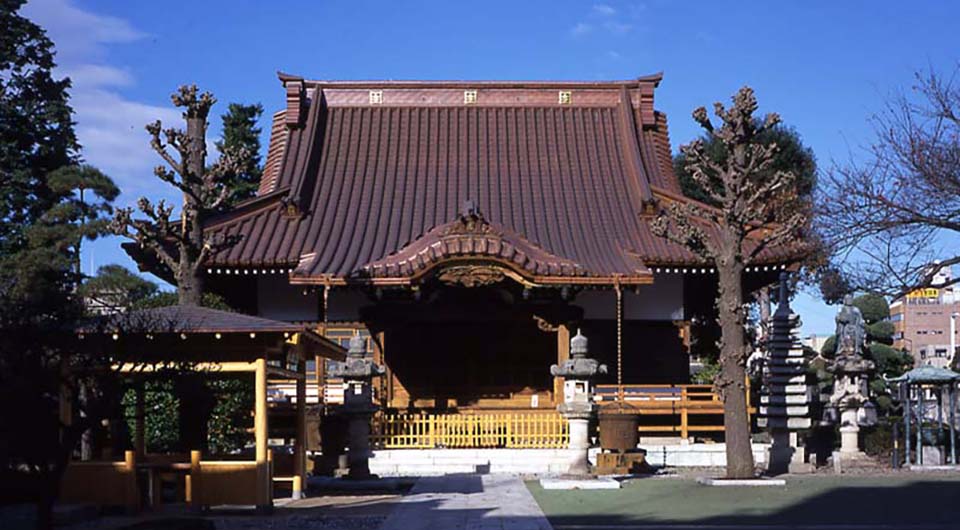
x,y
366,182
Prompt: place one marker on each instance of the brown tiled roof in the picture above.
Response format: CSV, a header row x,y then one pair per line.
x,y
365,190
178,320
275,152
186,319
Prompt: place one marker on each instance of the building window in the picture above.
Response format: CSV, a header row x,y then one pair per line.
x,y
376,97
469,97
566,97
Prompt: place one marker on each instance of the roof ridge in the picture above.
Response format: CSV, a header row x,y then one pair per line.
x,y
654,79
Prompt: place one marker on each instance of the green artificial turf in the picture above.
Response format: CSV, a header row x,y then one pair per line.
x,y
933,499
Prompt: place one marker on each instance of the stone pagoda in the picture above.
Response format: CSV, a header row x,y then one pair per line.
x,y
785,395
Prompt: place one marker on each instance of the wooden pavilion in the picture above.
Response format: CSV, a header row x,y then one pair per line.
x,y
465,228
177,341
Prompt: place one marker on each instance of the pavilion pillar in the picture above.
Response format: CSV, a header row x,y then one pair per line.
x,y
300,445
907,414
563,353
920,415
139,436
952,401
264,481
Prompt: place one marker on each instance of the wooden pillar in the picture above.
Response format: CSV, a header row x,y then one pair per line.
x,y
563,353
139,436
260,435
300,443
195,491
320,367
132,500
379,357
619,343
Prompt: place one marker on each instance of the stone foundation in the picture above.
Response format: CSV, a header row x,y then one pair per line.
x,y
432,462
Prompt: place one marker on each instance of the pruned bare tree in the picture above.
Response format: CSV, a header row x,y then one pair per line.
x,y
756,209
180,244
892,217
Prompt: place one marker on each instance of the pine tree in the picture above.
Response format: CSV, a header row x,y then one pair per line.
x,y
240,139
41,225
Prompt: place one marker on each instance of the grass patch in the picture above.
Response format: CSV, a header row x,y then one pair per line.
x,y
804,500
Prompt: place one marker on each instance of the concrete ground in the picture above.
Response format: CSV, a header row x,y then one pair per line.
x,y
909,501
468,502
454,502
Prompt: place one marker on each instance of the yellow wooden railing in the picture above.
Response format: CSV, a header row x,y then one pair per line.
x,y
676,404
527,430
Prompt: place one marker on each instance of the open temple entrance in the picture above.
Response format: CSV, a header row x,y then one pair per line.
x,y
460,348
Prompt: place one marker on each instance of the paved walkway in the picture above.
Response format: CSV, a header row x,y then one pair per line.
x,y
468,502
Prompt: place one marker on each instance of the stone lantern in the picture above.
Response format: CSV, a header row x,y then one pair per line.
x,y
577,406
357,371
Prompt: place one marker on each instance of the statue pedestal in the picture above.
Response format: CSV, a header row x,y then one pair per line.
x,y
358,446
578,417
849,432
786,454
850,393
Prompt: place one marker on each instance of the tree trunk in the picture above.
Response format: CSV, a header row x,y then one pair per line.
x,y
764,299
731,382
190,279
189,284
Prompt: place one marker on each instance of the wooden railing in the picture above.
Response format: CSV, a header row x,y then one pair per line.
x,y
526,430
677,403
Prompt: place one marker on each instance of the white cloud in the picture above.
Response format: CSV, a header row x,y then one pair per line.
x,y
604,9
79,33
109,124
617,27
581,28
97,75
602,16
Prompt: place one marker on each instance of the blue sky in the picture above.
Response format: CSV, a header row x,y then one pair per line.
x,y
824,66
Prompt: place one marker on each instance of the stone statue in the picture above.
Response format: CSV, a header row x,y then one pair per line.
x,y
851,329
851,394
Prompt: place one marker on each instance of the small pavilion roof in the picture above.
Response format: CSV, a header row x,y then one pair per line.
x,y
928,375
157,325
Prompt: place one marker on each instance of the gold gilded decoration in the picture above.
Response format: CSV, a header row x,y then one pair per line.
x,y
545,326
469,222
471,275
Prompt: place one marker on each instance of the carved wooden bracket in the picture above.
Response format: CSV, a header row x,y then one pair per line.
x,y
545,326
